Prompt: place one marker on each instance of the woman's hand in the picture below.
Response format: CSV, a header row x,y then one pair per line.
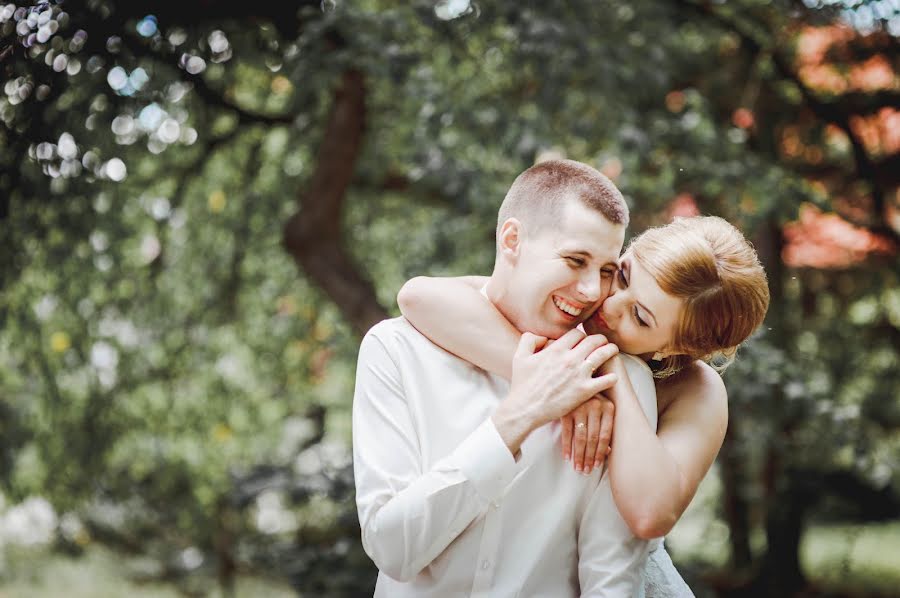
x,y
587,432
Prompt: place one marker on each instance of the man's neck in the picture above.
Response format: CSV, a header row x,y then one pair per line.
x,y
493,290
496,292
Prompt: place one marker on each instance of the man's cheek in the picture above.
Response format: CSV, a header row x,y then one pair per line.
x,y
589,326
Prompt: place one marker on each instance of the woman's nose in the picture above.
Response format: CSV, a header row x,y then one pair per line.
x,y
612,307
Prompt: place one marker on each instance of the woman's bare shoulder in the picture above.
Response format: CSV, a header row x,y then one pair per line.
x,y
635,364
698,384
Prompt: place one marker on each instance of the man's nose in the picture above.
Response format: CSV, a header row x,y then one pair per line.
x,y
590,287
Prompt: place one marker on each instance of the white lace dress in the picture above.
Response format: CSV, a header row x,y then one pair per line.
x,y
660,578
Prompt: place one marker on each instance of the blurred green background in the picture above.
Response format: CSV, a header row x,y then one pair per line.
x,y
204,204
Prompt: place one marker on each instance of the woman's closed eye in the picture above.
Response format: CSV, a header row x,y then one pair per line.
x,y
575,262
634,309
637,317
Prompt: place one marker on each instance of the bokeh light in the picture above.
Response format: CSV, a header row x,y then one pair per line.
x,y
115,170
448,10
147,27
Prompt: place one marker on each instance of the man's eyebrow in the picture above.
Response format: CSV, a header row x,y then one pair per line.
x,y
583,252
588,255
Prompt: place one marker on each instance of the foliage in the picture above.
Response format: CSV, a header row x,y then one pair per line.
x,y
166,166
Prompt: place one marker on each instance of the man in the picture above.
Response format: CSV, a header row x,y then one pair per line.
x,y
460,490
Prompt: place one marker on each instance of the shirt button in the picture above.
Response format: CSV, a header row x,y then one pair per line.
x,y
485,564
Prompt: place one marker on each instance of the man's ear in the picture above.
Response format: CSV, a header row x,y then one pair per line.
x,y
510,237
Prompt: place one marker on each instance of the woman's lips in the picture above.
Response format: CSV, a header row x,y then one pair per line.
x,y
600,321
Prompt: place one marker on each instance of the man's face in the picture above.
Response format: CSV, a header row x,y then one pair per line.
x,y
563,272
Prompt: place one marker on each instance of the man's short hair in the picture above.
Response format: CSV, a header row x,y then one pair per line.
x,y
537,195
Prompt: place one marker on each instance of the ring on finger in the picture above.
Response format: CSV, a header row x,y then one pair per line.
x,y
581,425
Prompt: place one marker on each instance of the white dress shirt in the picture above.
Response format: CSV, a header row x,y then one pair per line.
x,y
444,508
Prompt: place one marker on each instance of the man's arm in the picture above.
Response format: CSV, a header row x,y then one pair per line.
x,y
409,516
610,556
455,315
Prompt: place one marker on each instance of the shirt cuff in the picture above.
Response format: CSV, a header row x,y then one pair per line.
x,y
485,460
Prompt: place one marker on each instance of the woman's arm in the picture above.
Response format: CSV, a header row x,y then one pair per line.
x,y
654,476
453,314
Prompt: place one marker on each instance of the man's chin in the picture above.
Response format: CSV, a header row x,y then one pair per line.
x,y
552,331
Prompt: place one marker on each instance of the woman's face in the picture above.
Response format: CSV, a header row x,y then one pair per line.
x,y
638,315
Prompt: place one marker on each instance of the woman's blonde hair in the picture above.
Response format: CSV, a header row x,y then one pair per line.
x,y
709,264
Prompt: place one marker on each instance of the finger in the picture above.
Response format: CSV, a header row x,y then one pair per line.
x,y
589,344
565,439
600,355
593,435
606,429
528,344
569,340
578,443
604,382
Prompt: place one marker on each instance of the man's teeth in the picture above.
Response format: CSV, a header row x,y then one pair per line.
x,y
567,307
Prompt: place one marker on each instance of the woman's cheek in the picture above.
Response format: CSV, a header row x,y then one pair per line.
x,y
626,339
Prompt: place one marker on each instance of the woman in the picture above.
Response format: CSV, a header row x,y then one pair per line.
x,y
683,299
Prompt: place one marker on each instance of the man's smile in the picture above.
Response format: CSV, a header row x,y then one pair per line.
x,y
567,307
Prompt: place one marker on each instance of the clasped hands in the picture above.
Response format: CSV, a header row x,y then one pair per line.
x,y
557,380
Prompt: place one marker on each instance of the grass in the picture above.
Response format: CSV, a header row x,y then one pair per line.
x,y
101,573
856,560
853,560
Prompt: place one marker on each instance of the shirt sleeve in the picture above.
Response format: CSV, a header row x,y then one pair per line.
x,y
610,557
408,516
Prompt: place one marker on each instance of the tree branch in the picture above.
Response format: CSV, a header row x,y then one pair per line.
x,y
834,112
313,235
202,88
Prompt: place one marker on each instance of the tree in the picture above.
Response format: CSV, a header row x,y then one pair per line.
x,y
165,164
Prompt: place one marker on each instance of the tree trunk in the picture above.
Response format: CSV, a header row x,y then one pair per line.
x,y
780,573
223,544
737,511
313,236
786,498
